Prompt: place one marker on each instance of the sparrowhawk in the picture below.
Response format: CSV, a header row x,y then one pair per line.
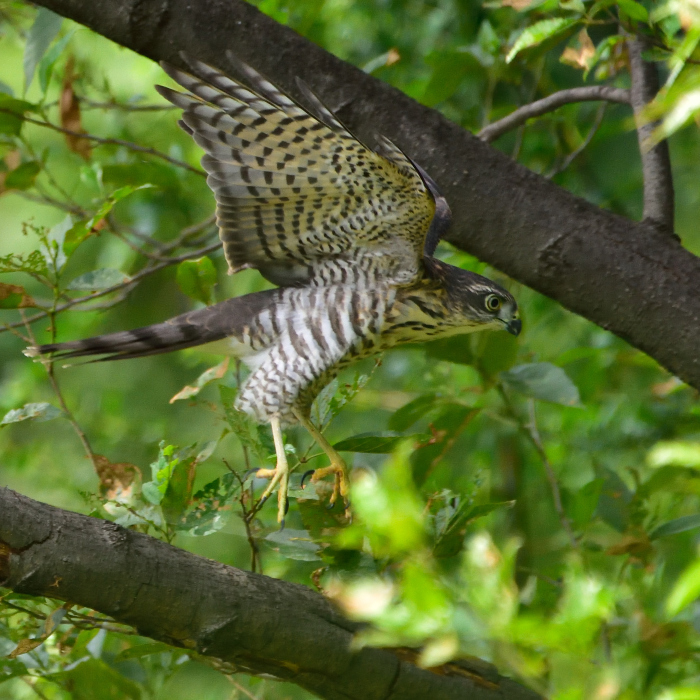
x,y
346,232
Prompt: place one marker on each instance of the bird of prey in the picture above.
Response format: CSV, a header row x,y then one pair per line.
x,y
347,233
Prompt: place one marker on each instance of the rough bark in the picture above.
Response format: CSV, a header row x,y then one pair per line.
x,y
656,161
625,276
258,624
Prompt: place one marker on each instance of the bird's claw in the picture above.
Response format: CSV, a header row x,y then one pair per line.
x,y
305,475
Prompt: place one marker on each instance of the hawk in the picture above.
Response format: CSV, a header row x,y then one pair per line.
x,y
347,233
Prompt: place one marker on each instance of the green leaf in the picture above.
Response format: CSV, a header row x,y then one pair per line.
x,y
93,679
543,381
32,411
12,296
53,253
242,425
210,375
294,544
23,177
634,10
685,590
33,263
676,453
45,28
98,279
495,352
12,114
373,443
455,349
161,473
672,527
414,410
211,507
451,541
140,650
197,278
580,505
179,490
49,61
538,32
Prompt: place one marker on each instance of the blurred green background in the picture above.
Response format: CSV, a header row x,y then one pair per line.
x,y
458,546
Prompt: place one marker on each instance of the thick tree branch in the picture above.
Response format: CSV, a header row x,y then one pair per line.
x,y
257,624
593,93
624,276
656,161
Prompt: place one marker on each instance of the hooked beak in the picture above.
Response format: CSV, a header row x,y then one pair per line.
x,y
514,326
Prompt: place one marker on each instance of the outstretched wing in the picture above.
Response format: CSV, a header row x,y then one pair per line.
x,y
298,197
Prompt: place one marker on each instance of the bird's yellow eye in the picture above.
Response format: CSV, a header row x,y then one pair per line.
x,y
492,302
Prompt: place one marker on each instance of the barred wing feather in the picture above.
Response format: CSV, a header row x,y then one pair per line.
x,y
296,191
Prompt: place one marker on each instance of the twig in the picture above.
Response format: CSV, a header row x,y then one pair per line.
x,y
590,93
241,689
600,113
109,142
530,430
656,161
122,285
247,516
59,395
124,107
32,684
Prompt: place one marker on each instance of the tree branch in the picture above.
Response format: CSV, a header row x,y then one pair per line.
x,y
656,161
622,275
591,93
257,624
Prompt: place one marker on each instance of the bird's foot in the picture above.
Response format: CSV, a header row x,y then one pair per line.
x,y
341,485
278,476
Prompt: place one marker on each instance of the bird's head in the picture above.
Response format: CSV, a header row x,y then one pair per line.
x,y
475,302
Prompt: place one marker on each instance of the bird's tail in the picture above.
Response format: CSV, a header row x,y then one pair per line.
x,y
228,318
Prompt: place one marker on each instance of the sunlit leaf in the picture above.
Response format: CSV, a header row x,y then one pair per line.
x,y
210,375
634,10
539,32
46,26
543,381
32,411
677,453
685,590
161,472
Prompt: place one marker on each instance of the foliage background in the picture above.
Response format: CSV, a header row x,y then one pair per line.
x,y
457,544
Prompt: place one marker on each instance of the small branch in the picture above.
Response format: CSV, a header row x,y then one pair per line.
x,y
591,93
109,142
589,137
532,433
656,161
123,285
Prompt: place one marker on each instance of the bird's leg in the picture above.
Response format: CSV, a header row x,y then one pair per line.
x,y
278,475
337,465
